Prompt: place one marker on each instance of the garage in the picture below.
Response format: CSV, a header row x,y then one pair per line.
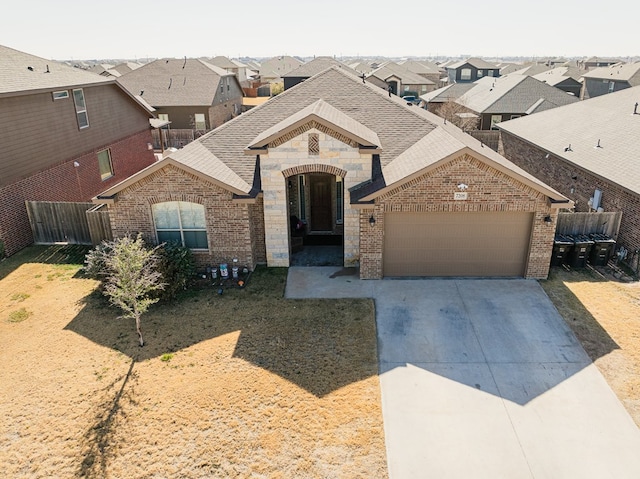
x,y
463,244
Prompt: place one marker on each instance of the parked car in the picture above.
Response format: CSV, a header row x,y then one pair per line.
x,y
411,99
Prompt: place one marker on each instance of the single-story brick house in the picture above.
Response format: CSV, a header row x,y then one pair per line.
x,y
583,147
407,194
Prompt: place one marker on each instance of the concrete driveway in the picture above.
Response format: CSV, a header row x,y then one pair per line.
x,y
483,379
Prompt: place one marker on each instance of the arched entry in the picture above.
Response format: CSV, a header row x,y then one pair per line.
x,y
316,208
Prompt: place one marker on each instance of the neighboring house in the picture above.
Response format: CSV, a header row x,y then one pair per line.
x,y
601,81
109,70
470,70
566,79
597,62
505,98
67,134
425,69
404,193
530,70
191,94
236,67
400,81
273,69
587,146
313,67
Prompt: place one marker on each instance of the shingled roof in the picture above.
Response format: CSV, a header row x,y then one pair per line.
x,y
629,72
513,94
390,69
175,82
22,73
315,66
404,139
607,120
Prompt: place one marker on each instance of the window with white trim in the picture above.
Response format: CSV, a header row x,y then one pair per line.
x,y
480,73
612,85
81,108
105,165
181,222
465,74
60,95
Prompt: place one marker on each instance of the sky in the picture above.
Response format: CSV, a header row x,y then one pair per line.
x,y
141,29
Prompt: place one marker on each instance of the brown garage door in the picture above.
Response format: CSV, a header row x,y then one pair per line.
x,y
456,244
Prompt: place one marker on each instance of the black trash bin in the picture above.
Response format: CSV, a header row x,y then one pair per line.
x,y
582,245
602,249
562,245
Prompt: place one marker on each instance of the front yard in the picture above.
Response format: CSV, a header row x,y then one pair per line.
x,y
244,384
605,316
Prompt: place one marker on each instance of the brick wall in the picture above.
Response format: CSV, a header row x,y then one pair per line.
x,y
578,185
230,224
65,182
489,190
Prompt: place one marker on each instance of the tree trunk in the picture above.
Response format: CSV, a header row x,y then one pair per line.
x,y
139,330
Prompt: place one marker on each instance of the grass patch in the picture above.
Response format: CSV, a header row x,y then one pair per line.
x,y
166,357
19,315
19,297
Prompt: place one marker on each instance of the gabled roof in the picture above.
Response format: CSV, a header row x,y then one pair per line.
x,y
22,73
475,62
410,140
222,62
531,70
325,114
407,77
175,82
556,76
447,93
420,67
602,60
315,66
629,72
277,66
608,119
513,94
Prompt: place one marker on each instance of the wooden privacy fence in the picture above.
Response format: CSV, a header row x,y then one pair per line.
x,y
585,223
66,222
489,138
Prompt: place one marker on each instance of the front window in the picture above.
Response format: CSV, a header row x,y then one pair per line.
x,y
81,108
104,164
181,222
495,119
611,86
465,74
480,73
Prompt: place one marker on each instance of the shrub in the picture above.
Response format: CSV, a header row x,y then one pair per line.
x,y
177,266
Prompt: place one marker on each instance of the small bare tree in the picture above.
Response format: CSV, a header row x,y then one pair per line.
x,y
131,275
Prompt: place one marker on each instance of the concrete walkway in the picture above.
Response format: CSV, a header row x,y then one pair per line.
x,y
483,379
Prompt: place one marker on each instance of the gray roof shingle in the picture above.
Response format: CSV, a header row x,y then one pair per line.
x,y
607,118
23,73
175,82
315,66
629,72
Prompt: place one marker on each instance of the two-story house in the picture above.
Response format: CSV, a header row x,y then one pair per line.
x,y
470,70
601,81
67,134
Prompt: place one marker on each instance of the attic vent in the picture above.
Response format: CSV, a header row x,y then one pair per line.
x,y
314,144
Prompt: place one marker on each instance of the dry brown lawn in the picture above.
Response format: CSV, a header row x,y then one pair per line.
x,y
604,314
244,384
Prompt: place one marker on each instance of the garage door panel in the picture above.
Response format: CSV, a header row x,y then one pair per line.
x,y
456,244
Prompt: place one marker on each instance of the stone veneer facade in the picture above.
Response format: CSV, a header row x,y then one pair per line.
x,y
289,156
489,190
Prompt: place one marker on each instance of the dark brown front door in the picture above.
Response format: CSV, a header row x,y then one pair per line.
x,y
320,186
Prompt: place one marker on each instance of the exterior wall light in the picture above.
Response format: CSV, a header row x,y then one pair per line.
x,y
372,220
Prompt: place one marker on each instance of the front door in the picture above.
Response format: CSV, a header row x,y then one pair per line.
x,y
320,186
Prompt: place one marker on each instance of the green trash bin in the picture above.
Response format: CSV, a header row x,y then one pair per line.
x,y
579,256
562,246
602,249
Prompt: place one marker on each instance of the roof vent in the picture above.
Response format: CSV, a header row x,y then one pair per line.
x,y
568,148
598,145
635,109
30,69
